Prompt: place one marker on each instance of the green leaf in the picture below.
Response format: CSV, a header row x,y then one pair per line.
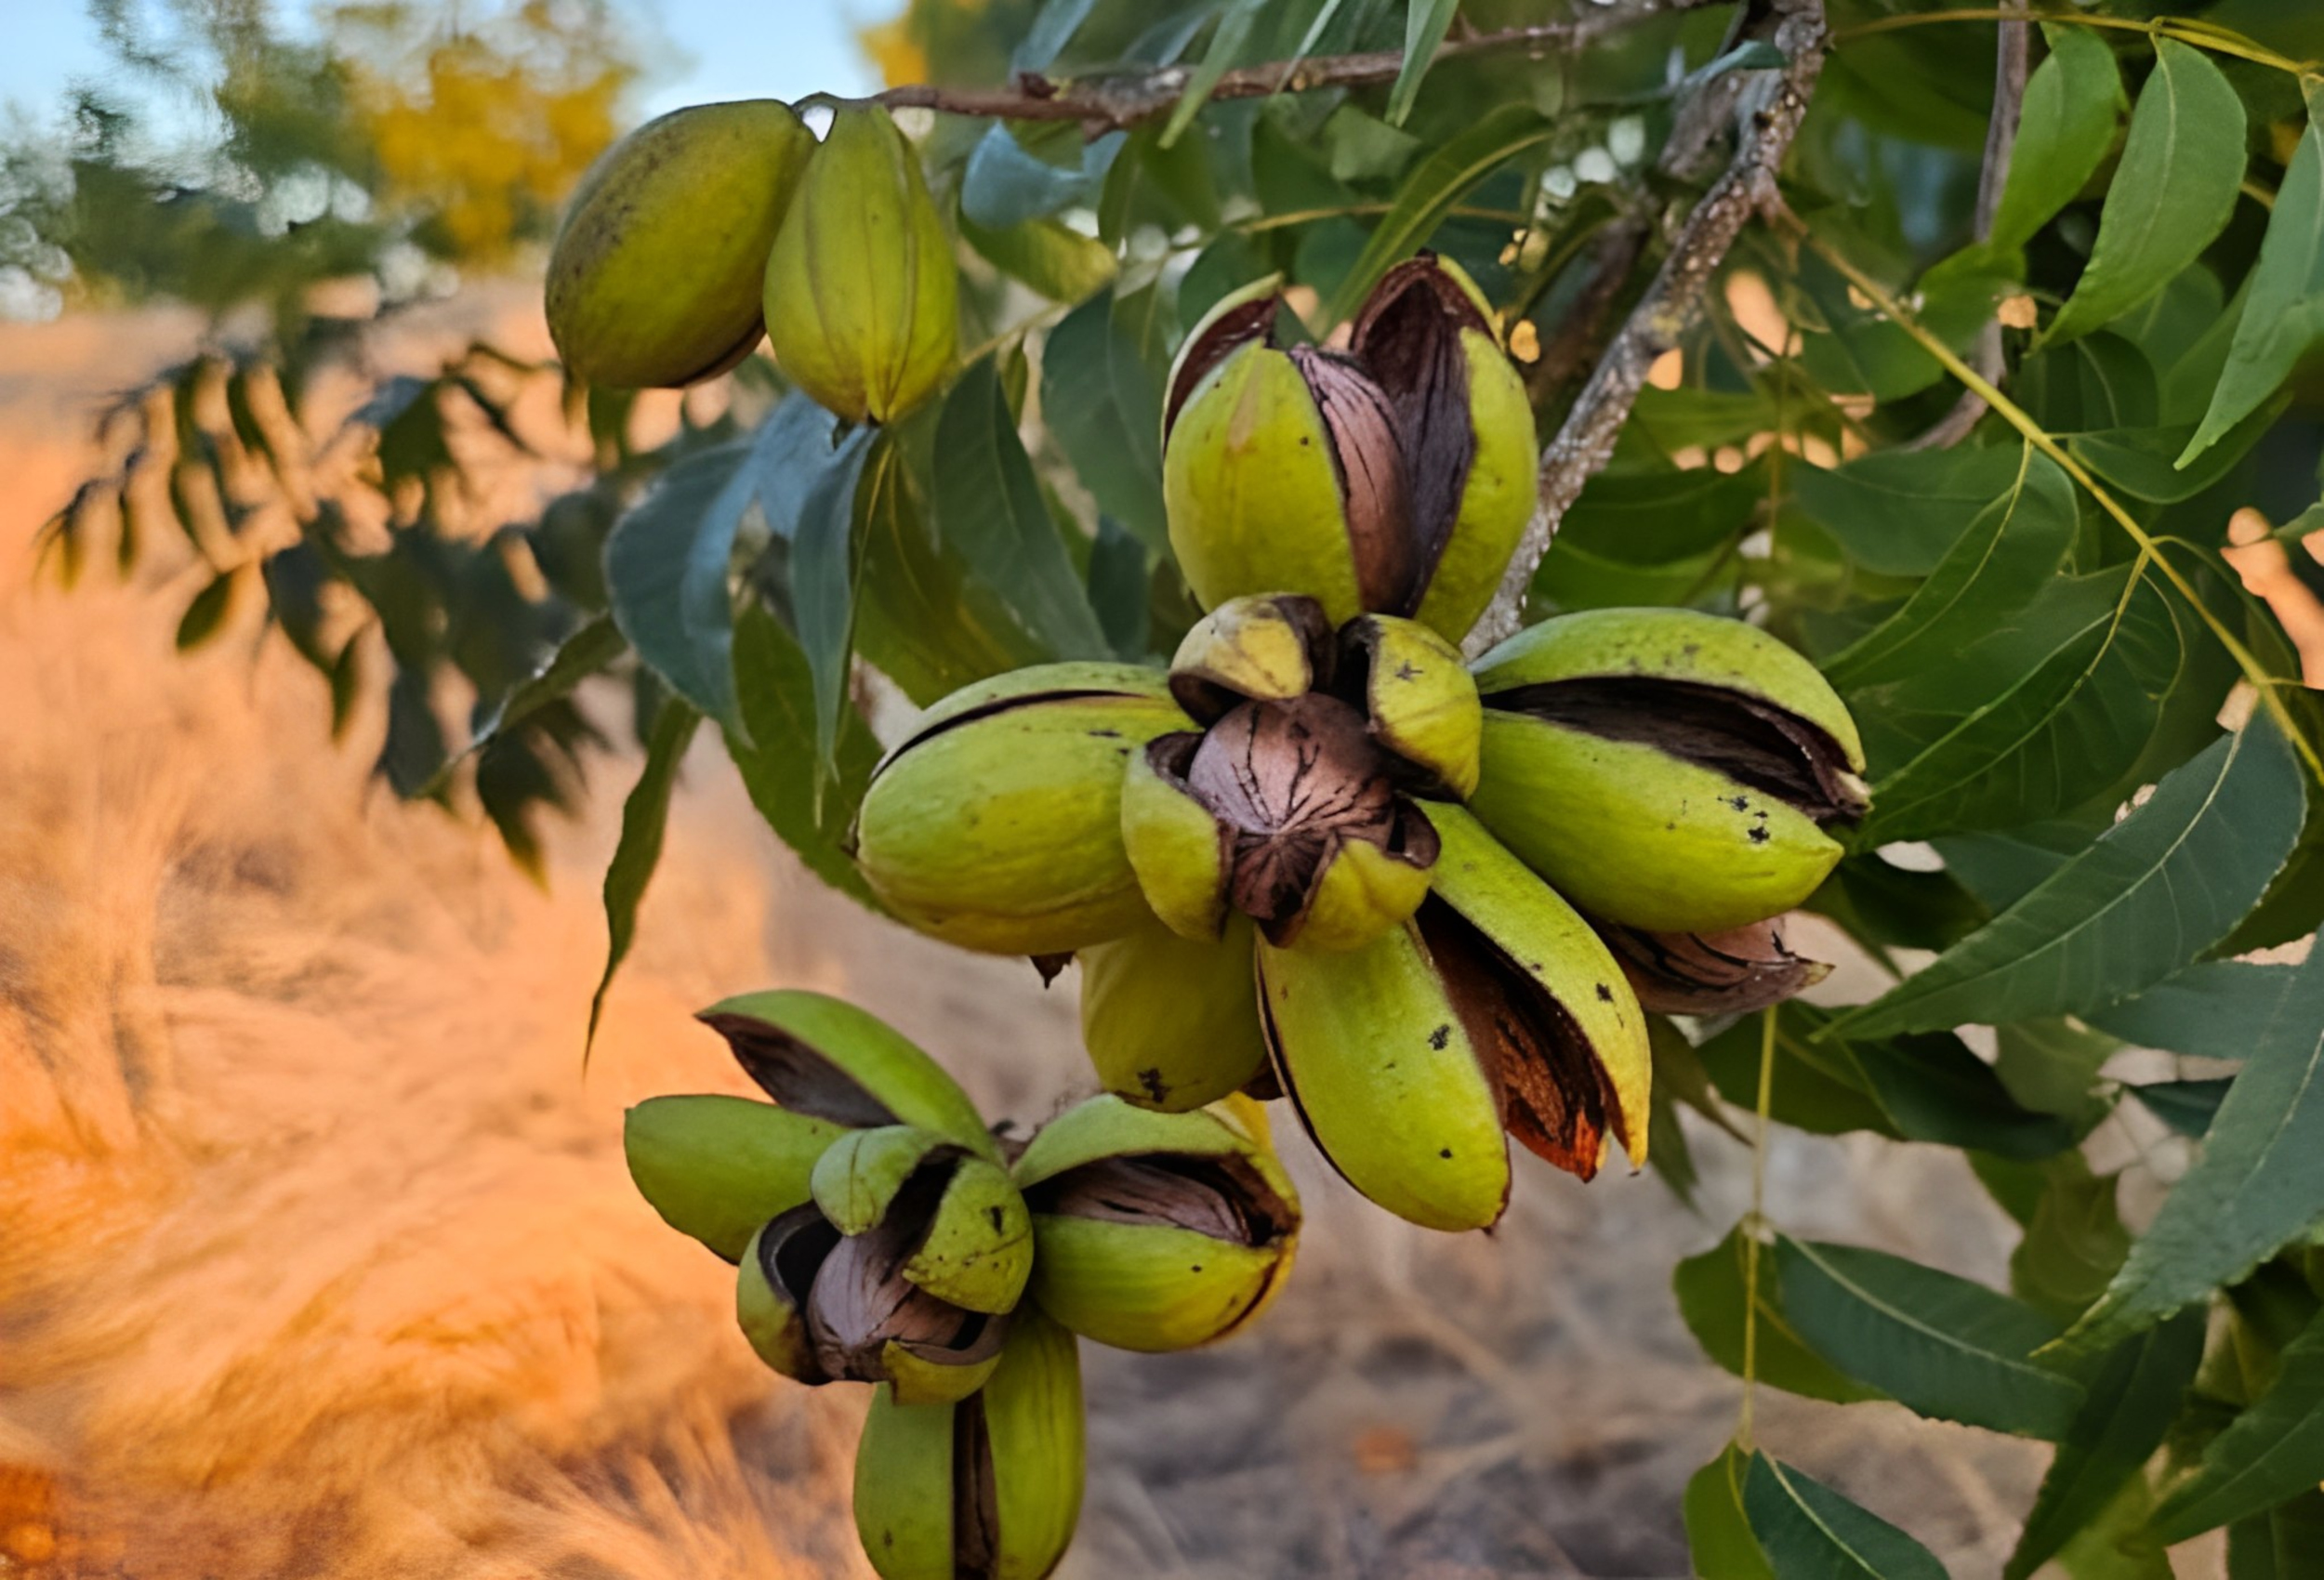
x,y
2270,1453
1424,25
2283,315
2147,463
589,650
2258,1186
644,818
2153,892
206,616
2215,1009
1997,565
2116,1544
2052,1065
2189,1107
2285,1543
666,574
777,760
1900,512
1120,585
1941,1346
1816,1089
1654,518
824,559
2171,194
1429,194
2072,103
1226,44
1005,185
1809,1531
2074,1243
2060,698
922,618
989,510
1102,397
1719,1534
1053,258
1710,1289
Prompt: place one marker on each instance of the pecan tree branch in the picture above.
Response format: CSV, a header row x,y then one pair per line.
x,y
2000,142
1768,106
1109,103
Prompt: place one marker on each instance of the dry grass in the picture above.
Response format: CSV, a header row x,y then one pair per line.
x,y
317,1257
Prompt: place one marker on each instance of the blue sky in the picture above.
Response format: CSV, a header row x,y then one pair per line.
x,y
727,48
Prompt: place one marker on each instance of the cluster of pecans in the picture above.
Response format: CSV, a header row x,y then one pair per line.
x,y
1320,857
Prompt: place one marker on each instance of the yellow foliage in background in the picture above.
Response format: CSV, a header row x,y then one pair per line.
x,y
487,125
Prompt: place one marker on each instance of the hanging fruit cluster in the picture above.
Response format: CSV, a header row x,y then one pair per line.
x,y
713,226
1320,857
883,1234
1323,857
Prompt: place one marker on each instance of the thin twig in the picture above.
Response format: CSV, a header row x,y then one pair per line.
x,y
1768,106
1111,103
2000,142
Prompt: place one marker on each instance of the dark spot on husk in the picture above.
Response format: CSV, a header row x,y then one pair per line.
x,y
1764,746
1439,1038
1605,994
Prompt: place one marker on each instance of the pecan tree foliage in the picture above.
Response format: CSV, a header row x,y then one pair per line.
x,y
1939,340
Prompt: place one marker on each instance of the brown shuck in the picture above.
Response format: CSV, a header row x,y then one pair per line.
x,y
1394,478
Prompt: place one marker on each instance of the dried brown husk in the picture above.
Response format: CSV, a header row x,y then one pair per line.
x,y
797,1075
1370,456
1224,1198
1409,338
1556,1098
860,1302
1750,740
1723,973
1291,782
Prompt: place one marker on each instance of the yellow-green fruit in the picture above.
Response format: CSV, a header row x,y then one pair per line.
x,y
861,298
1395,477
1155,1231
1384,1072
997,826
1666,768
716,1167
1569,1095
1418,697
1172,1023
1496,1007
656,274
824,1058
990,1486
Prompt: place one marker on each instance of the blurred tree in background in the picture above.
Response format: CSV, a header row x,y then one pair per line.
x,y
233,158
